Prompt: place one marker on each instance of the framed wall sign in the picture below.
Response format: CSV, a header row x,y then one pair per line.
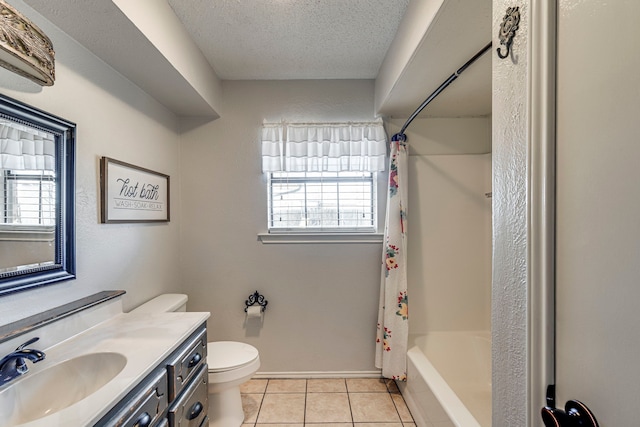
x,y
132,194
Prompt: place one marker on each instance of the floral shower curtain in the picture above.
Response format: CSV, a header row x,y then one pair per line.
x,y
393,314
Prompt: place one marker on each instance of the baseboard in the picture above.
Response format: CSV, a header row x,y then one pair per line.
x,y
319,374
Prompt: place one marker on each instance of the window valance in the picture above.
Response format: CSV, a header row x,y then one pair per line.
x,y
324,147
26,148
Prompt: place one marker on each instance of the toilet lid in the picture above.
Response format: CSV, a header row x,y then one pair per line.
x,y
227,355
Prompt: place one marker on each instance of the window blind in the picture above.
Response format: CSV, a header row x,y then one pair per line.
x,y
322,176
322,201
29,198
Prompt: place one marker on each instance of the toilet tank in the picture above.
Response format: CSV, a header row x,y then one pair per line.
x,y
163,304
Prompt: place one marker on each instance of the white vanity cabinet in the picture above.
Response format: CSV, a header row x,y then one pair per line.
x,y
174,394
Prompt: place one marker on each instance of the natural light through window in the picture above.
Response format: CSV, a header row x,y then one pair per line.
x,y
28,198
322,180
322,201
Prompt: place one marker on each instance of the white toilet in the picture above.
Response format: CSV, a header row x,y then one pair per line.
x,y
230,365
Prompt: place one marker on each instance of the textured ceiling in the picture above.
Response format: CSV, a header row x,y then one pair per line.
x,y
292,39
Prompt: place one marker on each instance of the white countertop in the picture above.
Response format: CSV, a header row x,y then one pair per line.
x,y
144,339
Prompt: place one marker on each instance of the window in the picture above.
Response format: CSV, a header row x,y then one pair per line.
x,y
322,201
322,176
27,170
28,198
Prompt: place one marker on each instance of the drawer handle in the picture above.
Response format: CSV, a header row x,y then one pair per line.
x,y
195,411
143,421
195,360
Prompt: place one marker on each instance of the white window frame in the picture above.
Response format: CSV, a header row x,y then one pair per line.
x,y
370,178
331,148
10,231
368,234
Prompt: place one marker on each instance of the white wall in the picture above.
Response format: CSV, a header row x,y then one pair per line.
x,y
322,297
597,210
446,135
510,157
449,265
114,118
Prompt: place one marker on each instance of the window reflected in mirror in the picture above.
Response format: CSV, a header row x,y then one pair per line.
x,y
36,197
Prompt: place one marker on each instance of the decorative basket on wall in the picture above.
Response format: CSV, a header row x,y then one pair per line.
x,y
24,48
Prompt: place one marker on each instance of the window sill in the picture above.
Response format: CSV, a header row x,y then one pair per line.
x,y
27,234
278,238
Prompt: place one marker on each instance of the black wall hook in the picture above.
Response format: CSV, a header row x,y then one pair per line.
x,y
508,30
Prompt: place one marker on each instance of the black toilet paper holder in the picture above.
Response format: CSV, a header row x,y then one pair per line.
x,y
254,299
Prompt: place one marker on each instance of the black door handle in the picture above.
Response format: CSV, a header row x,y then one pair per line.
x,y
575,414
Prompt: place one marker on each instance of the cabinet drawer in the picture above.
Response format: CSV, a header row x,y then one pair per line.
x,y
190,410
146,407
186,363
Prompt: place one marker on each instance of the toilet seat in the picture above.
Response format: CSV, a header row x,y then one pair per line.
x,y
223,356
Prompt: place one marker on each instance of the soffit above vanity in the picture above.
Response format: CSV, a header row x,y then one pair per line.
x,y
146,43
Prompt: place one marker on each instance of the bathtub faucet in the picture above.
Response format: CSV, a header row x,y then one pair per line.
x,y
15,364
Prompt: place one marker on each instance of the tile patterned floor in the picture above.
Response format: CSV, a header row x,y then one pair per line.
x,y
351,402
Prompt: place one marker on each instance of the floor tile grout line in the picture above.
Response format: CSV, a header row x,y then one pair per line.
x,y
304,412
396,406
352,423
264,393
405,406
386,384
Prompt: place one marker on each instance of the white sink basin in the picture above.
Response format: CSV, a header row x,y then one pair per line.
x,y
39,394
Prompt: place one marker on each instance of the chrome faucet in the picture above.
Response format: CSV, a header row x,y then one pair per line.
x,y
15,364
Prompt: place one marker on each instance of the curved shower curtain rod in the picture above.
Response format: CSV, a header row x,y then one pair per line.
x,y
443,86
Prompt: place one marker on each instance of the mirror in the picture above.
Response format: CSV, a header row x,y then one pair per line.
x,y
37,216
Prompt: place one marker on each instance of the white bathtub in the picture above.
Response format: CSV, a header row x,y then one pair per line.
x,y
449,379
